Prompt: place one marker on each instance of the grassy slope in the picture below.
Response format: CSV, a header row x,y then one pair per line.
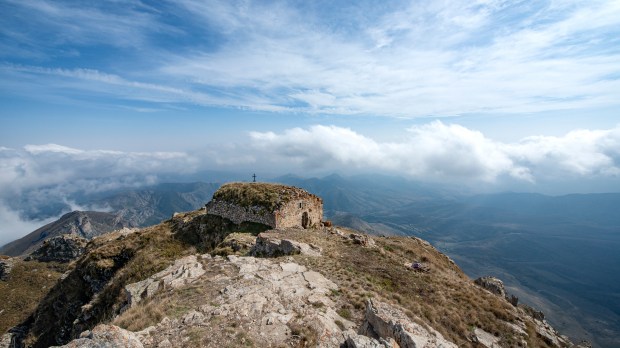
x,y
26,286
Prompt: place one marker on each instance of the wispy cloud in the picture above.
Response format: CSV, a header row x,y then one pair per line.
x,y
437,58
39,24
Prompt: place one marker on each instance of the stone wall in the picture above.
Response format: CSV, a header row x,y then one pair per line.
x,y
238,214
292,213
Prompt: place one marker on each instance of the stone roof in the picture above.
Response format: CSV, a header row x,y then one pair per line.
x,y
266,195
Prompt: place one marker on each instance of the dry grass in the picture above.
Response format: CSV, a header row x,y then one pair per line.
x,y
443,298
26,286
265,195
112,261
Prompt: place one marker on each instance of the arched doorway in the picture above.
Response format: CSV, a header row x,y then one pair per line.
x,y
305,220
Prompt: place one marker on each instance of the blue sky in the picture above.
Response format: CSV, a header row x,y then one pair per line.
x,y
501,94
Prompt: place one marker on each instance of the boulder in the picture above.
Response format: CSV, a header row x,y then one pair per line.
x,y
6,265
491,284
183,271
362,239
385,322
269,246
106,336
486,339
361,341
63,248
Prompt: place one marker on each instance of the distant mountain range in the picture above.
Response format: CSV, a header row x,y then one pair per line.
x,y
129,208
87,224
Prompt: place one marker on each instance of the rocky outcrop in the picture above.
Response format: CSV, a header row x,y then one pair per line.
x,y
206,231
363,239
360,341
63,248
259,296
184,271
496,286
492,284
357,238
384,323
103,336
269,246
6,265
550,335
485,339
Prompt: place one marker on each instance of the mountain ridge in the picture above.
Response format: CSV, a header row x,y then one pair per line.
x,y
351,289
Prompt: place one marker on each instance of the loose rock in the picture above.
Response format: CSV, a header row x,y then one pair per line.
x,y
106,336
63,248
184,271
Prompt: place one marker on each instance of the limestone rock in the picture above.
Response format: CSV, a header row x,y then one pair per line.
x,y
5,340
361,341
269,246
6,265
386,322
363,239
63,248
491,284
272,303
183,271
103,336
550,335
486,339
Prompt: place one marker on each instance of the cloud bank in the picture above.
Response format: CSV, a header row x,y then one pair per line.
x,y
39,176
450,152
35,176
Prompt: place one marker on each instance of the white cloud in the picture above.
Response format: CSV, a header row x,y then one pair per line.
x,y
37,177
448,152
13,226
52,164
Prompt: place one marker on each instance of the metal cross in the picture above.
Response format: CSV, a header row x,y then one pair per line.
x,y
254,177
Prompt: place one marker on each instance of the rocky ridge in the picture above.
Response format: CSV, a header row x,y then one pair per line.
x,y
327,287
85,224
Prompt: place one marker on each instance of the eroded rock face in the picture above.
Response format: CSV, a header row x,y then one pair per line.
x,y
491,284
184,271
63,248
106,336
550,335
269,246
384,323
6,264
